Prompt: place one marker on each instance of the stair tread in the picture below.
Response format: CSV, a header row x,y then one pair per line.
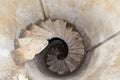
x,y
68,33
52,62
52,67
77,51
75,57
70,65
62,68
48,25
50,57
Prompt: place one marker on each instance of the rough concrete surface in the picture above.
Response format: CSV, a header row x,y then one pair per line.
x,y
99,19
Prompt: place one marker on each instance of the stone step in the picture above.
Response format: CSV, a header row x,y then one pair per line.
x,y
36,31
49,26
52,62
68,34
28,48
70,65
50,57
74,35
74,57
53,66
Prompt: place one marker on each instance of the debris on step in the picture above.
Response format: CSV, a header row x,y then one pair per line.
x,y
29,47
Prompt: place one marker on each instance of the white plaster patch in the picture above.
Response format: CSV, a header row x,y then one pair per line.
x,y
6,63
6,43
110,74
4,53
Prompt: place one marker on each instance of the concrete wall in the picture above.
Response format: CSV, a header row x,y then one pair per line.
x,y
15,15
100,19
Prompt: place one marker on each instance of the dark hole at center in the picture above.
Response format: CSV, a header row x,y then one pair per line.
x,y
59,47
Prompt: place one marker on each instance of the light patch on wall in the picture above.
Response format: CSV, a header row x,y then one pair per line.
x,y
110,74
6,43
12,21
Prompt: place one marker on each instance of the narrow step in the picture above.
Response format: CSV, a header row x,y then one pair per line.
x,y
58,27
52,67
70,65
76,58
77,51
55,51
67,34
61,67
77,46
74,35
50,57
52,61
49,26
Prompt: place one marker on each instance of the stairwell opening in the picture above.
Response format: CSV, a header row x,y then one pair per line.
x,y
57,46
